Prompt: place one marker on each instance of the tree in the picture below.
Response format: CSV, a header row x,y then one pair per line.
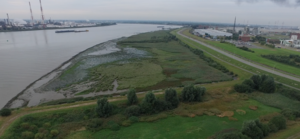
x,y
232,135
54,132
132,111
249,82
268,85
279,122
257,81
150,98
27,135
131,97
103,108
148,103
171,96
191,93
252,129
243,88
5,112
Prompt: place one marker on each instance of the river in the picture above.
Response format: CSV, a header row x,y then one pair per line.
x,y
27,55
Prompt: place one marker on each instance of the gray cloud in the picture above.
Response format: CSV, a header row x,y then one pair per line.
x,y
287,3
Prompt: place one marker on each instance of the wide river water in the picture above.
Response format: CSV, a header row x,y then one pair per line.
x,y
26,56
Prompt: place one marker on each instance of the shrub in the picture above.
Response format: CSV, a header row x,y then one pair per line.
x,y
133,119
242,88
39,136
27,135
290,114
268,85
113,126
131,97
46,125
147,108
265,129
5,112
150,98
171,97
132,111
279,122
103,108
94,124
161,105
191,93
249,82
257,81
233,135
252,129
54,132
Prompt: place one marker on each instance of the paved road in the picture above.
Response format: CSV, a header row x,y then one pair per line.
x,y
241,60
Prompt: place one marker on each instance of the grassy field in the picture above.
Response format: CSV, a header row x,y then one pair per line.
x,y
236,63
257,55
169,65
190,127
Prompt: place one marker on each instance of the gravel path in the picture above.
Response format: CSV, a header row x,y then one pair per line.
x,y
241,60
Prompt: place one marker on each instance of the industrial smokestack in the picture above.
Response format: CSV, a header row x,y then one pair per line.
x,y
31,14
234,25
8,19
42,12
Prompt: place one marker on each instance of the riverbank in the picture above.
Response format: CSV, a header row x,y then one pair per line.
x,y
58,28
42,90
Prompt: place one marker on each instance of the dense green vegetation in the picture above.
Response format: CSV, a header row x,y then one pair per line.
x,y
172,63
261,83
254,129
5,112
293,60
246,49
53,125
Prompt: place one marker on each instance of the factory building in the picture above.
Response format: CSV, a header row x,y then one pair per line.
x,y
213,33
245,38
293,42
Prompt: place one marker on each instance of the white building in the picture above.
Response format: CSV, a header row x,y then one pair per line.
x,y
213,33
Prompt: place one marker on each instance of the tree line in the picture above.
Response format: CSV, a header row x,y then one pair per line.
x,y
150,104
292,60
254,129
246,49
261,83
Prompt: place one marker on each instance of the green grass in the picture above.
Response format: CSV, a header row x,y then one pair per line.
x,y
170,65
178,127
257,55
277,100
232,61
136,74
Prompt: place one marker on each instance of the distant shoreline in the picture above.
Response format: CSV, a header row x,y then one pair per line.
x,y
55,28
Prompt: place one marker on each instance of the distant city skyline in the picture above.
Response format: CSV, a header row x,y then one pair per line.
x,y
264,12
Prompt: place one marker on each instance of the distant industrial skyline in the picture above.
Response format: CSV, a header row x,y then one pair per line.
x,y
264,12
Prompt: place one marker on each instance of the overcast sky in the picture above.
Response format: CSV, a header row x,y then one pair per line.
x,y
251,11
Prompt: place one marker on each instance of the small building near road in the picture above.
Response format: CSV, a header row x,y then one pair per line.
x,y
244,38
295,35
